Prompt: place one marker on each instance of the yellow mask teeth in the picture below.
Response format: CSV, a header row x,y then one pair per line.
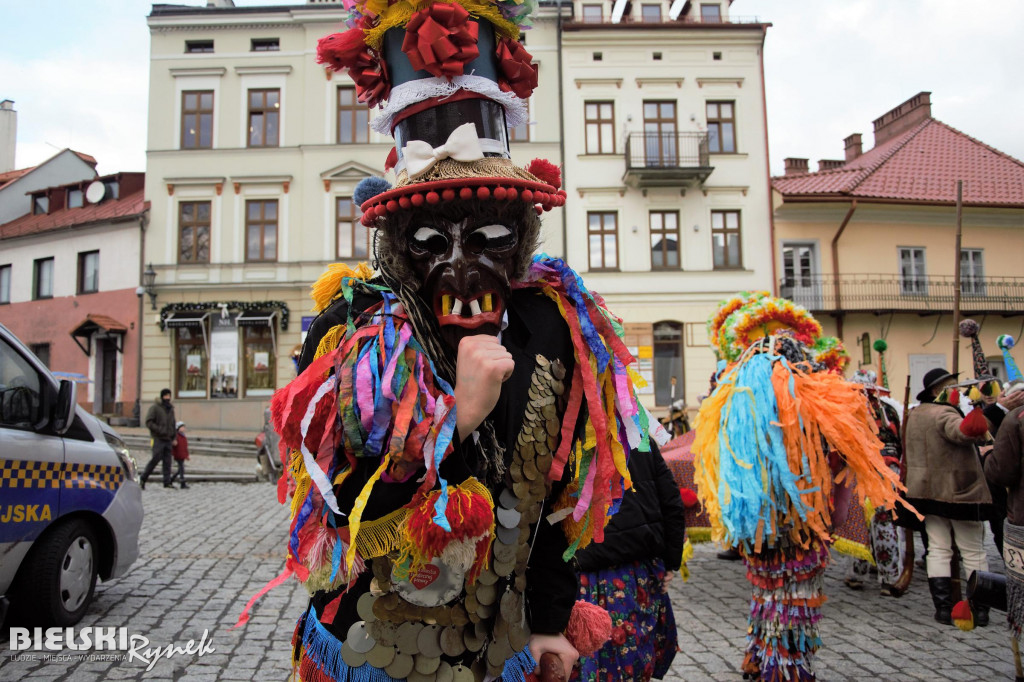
x,y
487,303
446,304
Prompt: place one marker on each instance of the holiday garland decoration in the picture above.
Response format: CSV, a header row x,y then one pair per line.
x,y
760,318
210,306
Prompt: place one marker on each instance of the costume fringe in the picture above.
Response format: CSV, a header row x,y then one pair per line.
x,y
519,666
853,549
381,536
785,609
329,284
320,659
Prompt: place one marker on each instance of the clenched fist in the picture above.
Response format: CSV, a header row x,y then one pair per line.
x,y
483,365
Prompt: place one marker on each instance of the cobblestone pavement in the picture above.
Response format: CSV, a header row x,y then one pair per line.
x,y
207,549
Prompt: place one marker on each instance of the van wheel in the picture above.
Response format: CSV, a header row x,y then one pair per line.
x,y
58,577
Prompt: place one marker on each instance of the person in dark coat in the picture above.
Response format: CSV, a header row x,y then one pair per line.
x,y
628,575
163,430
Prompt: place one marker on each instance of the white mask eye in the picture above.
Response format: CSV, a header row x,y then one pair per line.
x,y
493,237
429,239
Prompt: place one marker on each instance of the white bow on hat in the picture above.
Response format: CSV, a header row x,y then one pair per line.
x,y
462,145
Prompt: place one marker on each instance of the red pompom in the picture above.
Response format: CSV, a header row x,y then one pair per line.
x,y
433,197
589,628
466,193
527,195
689,497
545,171
962,616
404,202
448,194
974,424
512,193
483,192
417,200
341,50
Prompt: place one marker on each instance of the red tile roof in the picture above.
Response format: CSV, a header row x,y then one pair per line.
x,y
921,165
96,320
111,209
10,176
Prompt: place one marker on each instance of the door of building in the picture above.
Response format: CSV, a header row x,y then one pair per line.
x,y
108,378
920,363
801,282
660,135
668,362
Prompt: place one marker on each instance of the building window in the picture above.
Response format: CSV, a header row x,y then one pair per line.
x,y
266,44
353,118
197,119
668,363
258,341
664,240
198,46
42,278
75,198
650,14
725,240
521,133
41,351
194,232
711,14
602,235
261,230
600,127
5,284
264,117
89,272
721,127
660,142
912,271
353,236
40,204
592,14
191,360
972,272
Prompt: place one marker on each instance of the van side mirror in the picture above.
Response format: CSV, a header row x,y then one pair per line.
x,y
64,409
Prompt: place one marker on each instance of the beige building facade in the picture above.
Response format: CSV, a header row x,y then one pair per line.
x,y
254,151
869,244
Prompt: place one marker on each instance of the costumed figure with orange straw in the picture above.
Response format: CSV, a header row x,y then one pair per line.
x,y
779,442
464,412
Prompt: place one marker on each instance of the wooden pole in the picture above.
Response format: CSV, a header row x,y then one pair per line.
x,y
956,276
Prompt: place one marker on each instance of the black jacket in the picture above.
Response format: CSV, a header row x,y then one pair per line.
x,y
535,327
648,525
160,420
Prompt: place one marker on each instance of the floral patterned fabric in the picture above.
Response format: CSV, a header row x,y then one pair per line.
x,y
643,641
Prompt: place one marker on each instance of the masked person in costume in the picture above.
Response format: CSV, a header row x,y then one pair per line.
x,y
777,443
463,417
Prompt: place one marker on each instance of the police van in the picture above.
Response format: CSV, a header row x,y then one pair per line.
x,y
70,508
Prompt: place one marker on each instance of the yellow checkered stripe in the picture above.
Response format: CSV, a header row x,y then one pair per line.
x,y
27,474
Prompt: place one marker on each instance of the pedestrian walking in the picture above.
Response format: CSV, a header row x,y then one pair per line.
x,y
628,576
161,423
946,483
180,452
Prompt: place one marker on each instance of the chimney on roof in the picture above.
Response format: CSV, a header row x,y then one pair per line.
x,y
830,164
854,147
904,117
8,135
795,166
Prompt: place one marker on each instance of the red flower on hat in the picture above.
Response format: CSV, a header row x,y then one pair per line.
x,y
340,50
545,171
518,73
371,78
441,40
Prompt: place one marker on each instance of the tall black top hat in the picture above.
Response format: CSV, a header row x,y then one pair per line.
x,y
449,78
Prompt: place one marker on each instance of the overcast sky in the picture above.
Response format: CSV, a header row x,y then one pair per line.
x,y
77,71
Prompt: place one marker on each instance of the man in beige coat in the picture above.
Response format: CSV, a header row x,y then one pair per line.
x,y
946,483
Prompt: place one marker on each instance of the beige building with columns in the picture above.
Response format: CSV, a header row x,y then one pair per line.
x,y
868,243
254,151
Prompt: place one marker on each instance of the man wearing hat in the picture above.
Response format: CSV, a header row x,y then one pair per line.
x,y
463,414
946,483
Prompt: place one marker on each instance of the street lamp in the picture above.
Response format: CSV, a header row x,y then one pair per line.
x,y
148,281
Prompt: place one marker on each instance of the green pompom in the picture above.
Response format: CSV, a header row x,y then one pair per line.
x,y
880,345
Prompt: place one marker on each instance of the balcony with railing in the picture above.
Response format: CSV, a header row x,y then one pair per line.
x,y
893,293
667,159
